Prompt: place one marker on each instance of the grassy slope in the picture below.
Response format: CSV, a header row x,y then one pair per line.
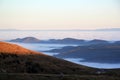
x,y
55,77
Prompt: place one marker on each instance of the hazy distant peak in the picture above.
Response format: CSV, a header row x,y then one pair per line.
x,y
109,29
98,40
9,30
26,40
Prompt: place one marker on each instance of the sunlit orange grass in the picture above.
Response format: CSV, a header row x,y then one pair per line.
x,y
15,49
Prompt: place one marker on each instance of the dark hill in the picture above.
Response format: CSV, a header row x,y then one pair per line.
x,y
26,40
97,41
101,53
15,59
117,42
60,41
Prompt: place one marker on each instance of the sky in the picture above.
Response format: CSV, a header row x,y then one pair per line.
x,y
59,14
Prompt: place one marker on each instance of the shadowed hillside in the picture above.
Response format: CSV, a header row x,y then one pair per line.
x,y
100,53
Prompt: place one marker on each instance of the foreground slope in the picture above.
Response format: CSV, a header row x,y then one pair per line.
x,y
17,63
15,49
15,59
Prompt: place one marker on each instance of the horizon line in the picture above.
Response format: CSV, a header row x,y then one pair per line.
x,y
101,29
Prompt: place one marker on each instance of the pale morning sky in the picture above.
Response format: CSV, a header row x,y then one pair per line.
x,y
59,14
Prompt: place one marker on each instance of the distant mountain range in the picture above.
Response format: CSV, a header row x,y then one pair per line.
x,y
26,40
75,41
105,29
61,41
9,30
109,29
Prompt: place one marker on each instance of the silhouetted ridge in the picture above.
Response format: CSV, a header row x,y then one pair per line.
x,y
26,40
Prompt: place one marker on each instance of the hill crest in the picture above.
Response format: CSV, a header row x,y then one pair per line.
x,y
15,49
